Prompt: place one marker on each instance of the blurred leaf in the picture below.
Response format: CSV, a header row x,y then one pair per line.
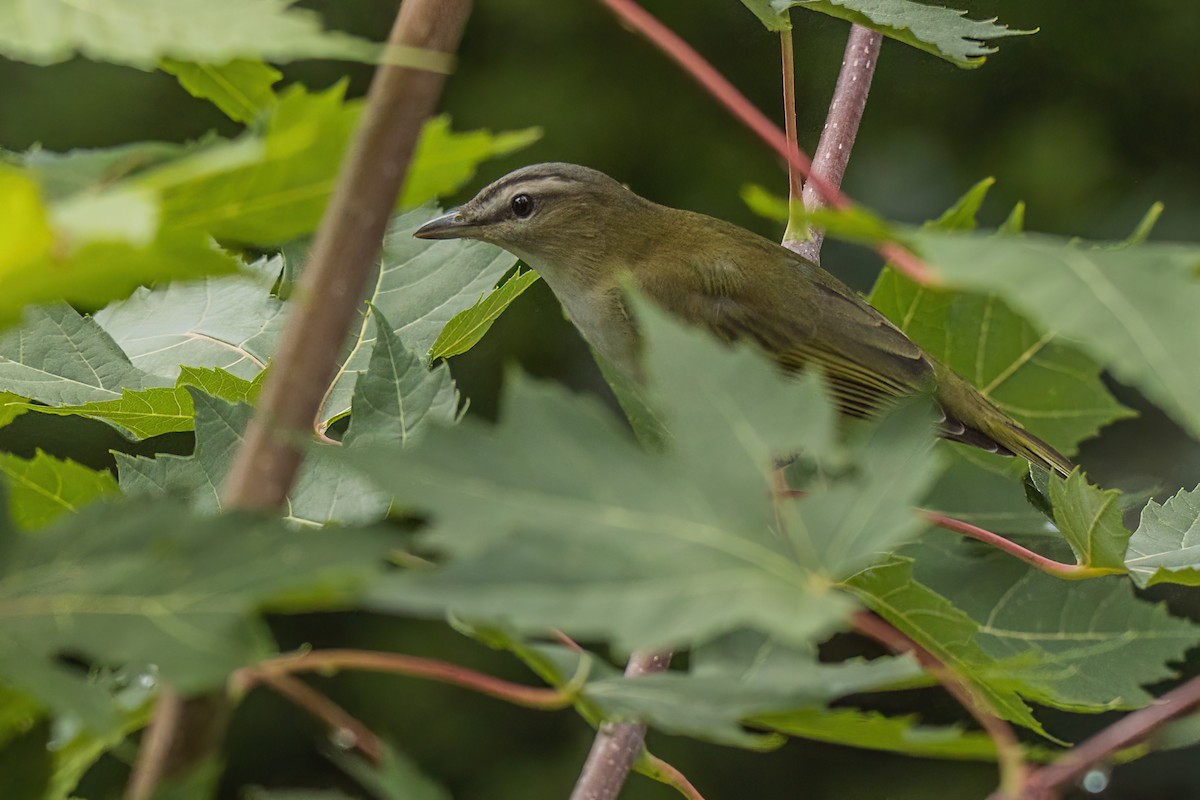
x,y
90,248
444,160
280,192
25,764
467,327
872,730
241,87
145,413
649,548
11,405
1083,646
420,286
1090,520
61,175
1132,309
18,713
210,31
323,491
42,487
398,394
58,356
396,777
231,323
944,32
1166,546
184,596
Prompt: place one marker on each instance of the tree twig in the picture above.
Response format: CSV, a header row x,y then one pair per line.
x,y
737,104
1008,749
617,744
841,125
336,718
351,232
1069,572
1047,782
326,661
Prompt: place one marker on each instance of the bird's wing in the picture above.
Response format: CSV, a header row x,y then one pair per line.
x,y
803,316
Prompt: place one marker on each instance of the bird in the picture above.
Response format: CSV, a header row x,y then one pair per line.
x,y
590,238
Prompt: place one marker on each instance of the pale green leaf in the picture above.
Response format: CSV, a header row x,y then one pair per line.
x,y
467,327
58,356
1166,546
11,407
231,323
241,88
138,33
1090,520
42,487
144,413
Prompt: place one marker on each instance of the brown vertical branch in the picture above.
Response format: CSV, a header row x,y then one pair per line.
x,y
347,242
617,745
841,126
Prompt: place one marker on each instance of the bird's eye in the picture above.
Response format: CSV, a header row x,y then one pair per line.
x,y
522,205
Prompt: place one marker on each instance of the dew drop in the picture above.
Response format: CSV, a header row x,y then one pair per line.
x,y
343,738
1095,781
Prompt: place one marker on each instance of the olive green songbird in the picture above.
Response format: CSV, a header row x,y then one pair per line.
x,y
589,237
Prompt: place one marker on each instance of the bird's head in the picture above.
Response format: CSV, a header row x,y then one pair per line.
x,y
541,213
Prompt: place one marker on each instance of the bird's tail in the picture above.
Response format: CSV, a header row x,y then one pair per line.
x,y
974,419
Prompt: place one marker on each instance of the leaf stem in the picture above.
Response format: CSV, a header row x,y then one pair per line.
x,y
796,229
617,744
1069,572
737,104
328,661
318,705
1045,783
664,772
1008,749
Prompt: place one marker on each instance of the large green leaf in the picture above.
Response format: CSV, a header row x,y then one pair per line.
x,y
557,518
163,586
944,32
1131,309
231,323
58,356
1082,646
139,33
1166,546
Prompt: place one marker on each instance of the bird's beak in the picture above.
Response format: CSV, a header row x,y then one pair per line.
x,y
450,225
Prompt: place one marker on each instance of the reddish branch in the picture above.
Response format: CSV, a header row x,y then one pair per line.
x,y
737,104
1047,783
326,301
1008,749
326,661
336,718
617,744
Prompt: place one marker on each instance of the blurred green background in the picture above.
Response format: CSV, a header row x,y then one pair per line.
x,y
1089,121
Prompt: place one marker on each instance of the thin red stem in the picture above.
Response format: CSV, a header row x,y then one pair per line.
x,y
673,778
318,705
737,104
1070,572
441,671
